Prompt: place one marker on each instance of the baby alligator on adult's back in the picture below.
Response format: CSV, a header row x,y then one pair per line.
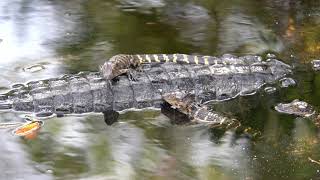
x,y
123,63
228,77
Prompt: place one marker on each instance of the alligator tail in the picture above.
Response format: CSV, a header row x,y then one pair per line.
x,y
176,58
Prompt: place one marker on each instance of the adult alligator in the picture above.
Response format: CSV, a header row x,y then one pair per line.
x,y
227,78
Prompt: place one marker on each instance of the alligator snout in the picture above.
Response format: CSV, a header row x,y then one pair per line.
x,y
106,70
296,107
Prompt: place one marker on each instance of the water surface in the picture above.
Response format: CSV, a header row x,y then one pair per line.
x,y
41,39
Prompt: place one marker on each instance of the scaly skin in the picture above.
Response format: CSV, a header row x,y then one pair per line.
x,y
296,107
299,108
122,63
91,92
185,103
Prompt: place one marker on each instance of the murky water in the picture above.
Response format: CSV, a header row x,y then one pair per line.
x,y
41,39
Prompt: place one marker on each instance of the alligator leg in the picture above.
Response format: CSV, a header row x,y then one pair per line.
x,y
110,117
132,74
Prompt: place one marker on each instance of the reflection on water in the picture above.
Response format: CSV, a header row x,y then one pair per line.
x,y
29,31
247,35
41,39
185,17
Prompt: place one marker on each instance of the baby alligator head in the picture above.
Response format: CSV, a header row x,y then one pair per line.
x,y
180,100
107,70
296,107
117,65
185,103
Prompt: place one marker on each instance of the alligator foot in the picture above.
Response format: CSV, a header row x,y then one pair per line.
x,y
110,117
114,80
132,74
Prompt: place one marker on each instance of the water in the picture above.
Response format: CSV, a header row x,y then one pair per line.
x,y
42,39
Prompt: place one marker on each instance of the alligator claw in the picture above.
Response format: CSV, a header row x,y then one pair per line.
x,y
132,78
114,80
139,69
132,75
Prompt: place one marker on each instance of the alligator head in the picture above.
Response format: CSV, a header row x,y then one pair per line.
x,y
107,70
180,100
117,65
296,107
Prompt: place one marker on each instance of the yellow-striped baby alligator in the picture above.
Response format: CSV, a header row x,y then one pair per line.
x,y
224,78
123,63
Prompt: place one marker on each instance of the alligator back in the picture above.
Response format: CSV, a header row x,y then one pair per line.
x,y
90,92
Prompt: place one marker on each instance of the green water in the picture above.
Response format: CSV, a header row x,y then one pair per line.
x,y
70,36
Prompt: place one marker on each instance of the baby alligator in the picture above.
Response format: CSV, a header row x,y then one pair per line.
x,y
186,104
123,63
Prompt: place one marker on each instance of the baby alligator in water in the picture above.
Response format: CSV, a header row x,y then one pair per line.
x,y
185,103
86,92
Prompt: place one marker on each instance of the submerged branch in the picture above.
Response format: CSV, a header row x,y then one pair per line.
x,y
314,161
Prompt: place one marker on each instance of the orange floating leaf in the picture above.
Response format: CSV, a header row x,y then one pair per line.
x,y
28,128
32,135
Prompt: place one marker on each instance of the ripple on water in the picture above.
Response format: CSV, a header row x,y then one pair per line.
x,y
34,68
140,5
